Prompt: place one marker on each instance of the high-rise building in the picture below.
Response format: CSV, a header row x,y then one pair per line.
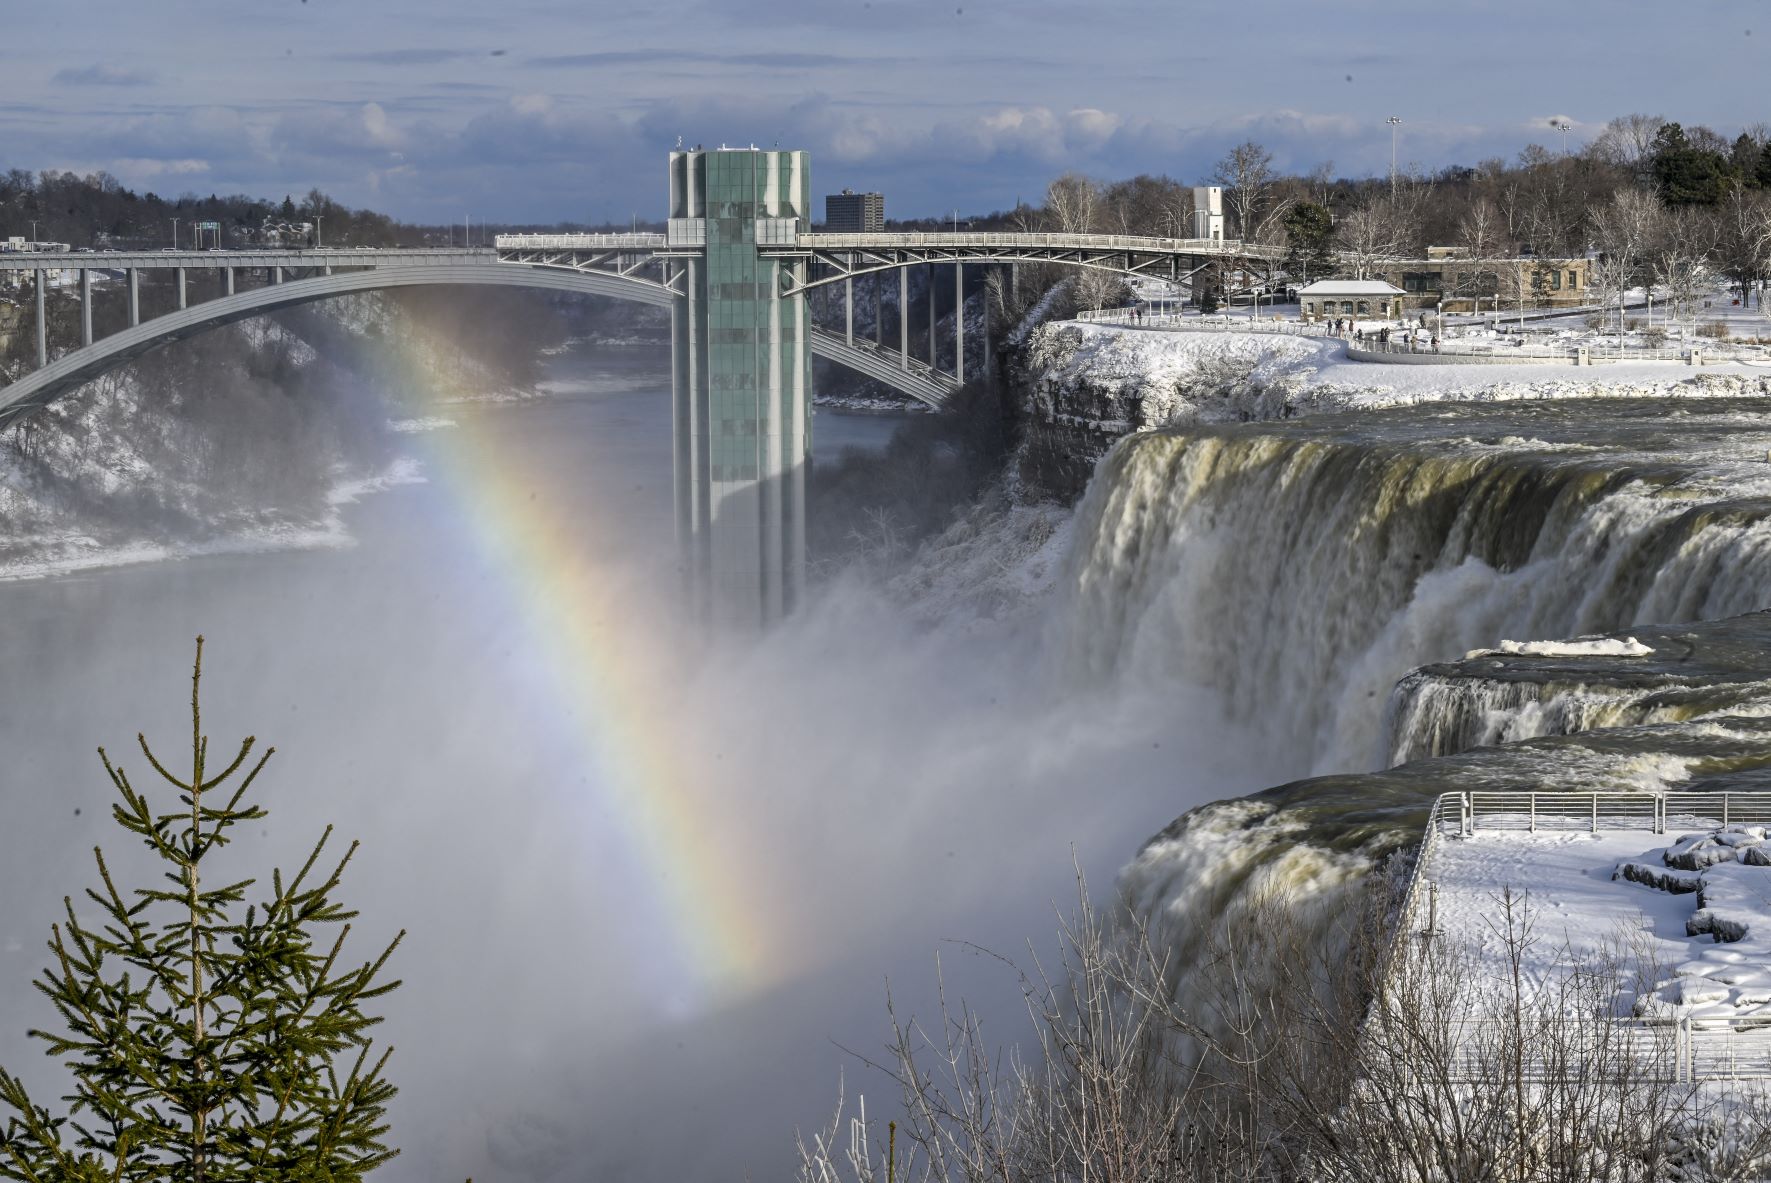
x,y
743,378
850,212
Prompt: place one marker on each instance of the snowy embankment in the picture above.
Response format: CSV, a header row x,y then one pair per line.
x,y
1116,379
1687,924
1580,647
246,440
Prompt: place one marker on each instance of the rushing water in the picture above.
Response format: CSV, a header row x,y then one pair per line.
x,y
870,789
1241,604
1302,569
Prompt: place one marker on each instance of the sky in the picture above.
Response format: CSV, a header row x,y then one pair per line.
x,y
563,110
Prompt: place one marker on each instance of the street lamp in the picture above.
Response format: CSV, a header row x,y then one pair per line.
x,y
1394,124
175,234
1563,126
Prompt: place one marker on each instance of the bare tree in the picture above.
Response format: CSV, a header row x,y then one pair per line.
x,y
1312,1043
1072,203
1480,231
1627,142
1626,230
1378,230
1683,260
1246,173
1743,238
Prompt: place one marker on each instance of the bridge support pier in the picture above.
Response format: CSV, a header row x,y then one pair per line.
x,y
227,281
959,322
183,295
42,277
934,354
85,306
903,318
848,304
878,311
134,297
742,366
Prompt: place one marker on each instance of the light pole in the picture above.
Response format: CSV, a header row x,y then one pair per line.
x,y
174,233
318,241
1563,126
1394,124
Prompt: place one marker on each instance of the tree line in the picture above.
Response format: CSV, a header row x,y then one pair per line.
x,y
1660,204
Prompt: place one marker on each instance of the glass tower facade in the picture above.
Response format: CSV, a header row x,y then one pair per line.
x,y
742,380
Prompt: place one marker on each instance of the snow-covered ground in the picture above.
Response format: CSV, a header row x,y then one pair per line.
x,y
1129,378
1695,932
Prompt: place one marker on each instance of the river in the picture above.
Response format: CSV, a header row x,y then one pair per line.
x,y
482,686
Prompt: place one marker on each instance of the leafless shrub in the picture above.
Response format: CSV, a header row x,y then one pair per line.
x,y
1305,1049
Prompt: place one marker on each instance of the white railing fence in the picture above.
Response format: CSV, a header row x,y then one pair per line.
x,y
1202,324
1677,1051
571,242
1654,813
1450,349
1681,1050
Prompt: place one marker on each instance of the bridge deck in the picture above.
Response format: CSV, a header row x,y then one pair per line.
x,y
254,257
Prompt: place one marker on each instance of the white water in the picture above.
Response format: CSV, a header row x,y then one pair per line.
x,y
898,785
1301,573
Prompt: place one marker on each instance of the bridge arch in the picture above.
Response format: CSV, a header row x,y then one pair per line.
x,y
42,386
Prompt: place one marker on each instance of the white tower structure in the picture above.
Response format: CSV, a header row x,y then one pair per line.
x,y
1208,212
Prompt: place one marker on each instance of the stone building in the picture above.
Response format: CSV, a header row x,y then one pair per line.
x,y
1448,277
1370,298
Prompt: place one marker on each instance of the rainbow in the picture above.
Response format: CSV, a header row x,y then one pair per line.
x,y
610,679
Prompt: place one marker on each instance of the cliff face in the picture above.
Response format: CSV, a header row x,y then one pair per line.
x,y
252,430
1078,388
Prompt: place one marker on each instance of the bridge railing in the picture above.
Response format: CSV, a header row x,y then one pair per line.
x,y
1136,244
568,242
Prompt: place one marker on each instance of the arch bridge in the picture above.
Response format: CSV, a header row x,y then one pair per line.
x,y
738,271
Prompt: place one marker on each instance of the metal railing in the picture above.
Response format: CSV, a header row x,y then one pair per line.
x,y
1654,813
1134,243
1175,321
1677,1051
569,242
1684,1051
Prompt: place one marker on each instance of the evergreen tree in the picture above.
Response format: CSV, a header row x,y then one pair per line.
x,y
1309,237
209,1040
1685,173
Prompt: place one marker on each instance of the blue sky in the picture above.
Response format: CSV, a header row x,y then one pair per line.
x,y
540,110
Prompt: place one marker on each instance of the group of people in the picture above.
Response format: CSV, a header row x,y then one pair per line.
x,y
1382,337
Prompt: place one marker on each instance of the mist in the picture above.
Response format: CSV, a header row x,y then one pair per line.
x,y
862,788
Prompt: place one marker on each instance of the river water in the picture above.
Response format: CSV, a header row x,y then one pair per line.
x,y
652,884
854,789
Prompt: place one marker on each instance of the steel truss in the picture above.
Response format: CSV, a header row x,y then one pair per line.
x,y
629,263
832,266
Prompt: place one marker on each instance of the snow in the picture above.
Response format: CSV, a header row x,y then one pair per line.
x,y
1696,936
1585,647
1078,366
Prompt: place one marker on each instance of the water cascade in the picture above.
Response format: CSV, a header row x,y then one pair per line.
x,y
1301,568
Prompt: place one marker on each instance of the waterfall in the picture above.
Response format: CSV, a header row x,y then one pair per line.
x,y
1300,569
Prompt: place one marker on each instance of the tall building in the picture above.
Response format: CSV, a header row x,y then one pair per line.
x,y
743,379
850,212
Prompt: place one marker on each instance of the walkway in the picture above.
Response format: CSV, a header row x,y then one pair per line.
x,y
1565,855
